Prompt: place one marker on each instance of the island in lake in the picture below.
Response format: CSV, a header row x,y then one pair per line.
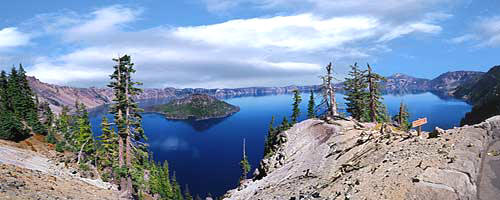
x,y
195,106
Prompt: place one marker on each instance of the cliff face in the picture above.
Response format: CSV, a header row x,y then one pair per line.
x,y
342,160
484,93
449,81
402,83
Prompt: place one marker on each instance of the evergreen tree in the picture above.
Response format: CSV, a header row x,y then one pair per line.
x,y
63,123
356,94
84,140
128,122
177,193
244,164
402,117
284,124
11,127
310,107
296,103
270,138
187,194
108,148
377,110
165,182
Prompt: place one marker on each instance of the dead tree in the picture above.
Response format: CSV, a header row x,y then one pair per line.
x,y
328,93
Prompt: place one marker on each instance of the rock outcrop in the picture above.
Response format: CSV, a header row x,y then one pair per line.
x,y
345,160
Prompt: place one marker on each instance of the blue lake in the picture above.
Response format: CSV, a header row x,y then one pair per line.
x,y
205,155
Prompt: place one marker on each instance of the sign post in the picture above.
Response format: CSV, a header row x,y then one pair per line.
x,y
418,123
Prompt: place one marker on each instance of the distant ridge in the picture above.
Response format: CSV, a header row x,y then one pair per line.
x,y
58,96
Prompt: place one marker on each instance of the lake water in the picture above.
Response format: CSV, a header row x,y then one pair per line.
x,y
205,155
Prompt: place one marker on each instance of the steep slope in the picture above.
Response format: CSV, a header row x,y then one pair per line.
x,y
484,94
401,83
449,81
482,88
343,160
26,174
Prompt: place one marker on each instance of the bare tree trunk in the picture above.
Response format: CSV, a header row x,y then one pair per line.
x,y
123,181
401,115
373,108
128,140
81,150
332,108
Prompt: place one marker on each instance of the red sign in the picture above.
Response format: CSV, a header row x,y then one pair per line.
x,y
419,122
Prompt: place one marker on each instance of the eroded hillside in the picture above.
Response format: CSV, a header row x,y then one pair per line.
x,y
344,160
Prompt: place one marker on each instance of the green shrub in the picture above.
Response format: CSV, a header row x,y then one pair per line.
x,y
51,138
84,167
60,147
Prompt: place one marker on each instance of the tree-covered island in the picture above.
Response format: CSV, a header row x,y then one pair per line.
x,y
195,106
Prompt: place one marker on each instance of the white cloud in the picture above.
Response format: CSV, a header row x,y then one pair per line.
x,y
263,51
463,38
484,32
400,8
12,37
489,31
102,21
410,28
295,33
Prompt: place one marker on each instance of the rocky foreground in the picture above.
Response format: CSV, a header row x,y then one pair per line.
x,y
33,172
345,160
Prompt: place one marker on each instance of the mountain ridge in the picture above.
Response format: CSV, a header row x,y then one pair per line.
x,y
58,96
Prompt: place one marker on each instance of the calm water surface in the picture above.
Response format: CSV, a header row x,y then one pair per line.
x,y
205,155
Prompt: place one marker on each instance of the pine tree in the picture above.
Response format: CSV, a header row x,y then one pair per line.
x,y
403,117
11,127
244,164
84,140
376,110
177,193
310,107
356,93
108,148
165,181
187,194
296,103
128,122
63,123
270,138
284,124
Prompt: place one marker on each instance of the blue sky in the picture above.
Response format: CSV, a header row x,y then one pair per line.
x,y
240,43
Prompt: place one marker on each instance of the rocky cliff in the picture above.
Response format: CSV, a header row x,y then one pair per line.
x,y
345,160
484,93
